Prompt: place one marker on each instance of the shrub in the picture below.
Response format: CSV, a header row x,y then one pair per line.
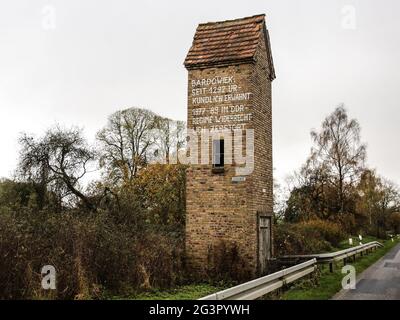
x,y
312,236
322,229
91,254
350,223
225,263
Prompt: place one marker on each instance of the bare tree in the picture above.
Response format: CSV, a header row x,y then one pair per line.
x,y
387,203
339,150
126,142
170,139
58,161
134,137
368,195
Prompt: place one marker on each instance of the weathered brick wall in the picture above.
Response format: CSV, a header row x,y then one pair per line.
x,y
263,172
218,208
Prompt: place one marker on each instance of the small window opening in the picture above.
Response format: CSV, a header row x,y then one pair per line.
x,y
218,154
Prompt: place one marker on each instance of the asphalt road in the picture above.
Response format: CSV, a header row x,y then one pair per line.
x,y
381,281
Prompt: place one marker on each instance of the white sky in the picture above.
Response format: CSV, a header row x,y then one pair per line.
x,y
102,56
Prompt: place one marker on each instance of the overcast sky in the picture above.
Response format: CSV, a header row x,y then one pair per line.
x,y
77,61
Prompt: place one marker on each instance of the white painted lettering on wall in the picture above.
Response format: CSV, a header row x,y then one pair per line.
x,y
219,104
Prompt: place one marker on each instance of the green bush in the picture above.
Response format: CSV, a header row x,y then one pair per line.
x,y
312,236
92,254
323,229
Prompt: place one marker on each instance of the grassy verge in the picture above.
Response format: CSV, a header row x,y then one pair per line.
x,y
330,283
188,292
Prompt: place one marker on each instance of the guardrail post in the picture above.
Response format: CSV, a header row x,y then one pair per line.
x,y
331,266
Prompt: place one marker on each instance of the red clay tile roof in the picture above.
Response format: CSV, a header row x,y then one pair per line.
x,y
227,42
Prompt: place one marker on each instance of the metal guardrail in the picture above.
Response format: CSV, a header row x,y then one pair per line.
x,y
338,255
256,288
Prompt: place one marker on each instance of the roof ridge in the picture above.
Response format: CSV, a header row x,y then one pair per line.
x,y
229,41
233,20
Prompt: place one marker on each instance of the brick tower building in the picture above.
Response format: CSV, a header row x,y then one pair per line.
x,y
230,70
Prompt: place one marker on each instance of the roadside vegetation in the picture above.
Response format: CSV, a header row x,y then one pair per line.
x,y
334,194
121,233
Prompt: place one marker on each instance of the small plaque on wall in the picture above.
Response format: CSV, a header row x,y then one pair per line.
x,y
238,179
